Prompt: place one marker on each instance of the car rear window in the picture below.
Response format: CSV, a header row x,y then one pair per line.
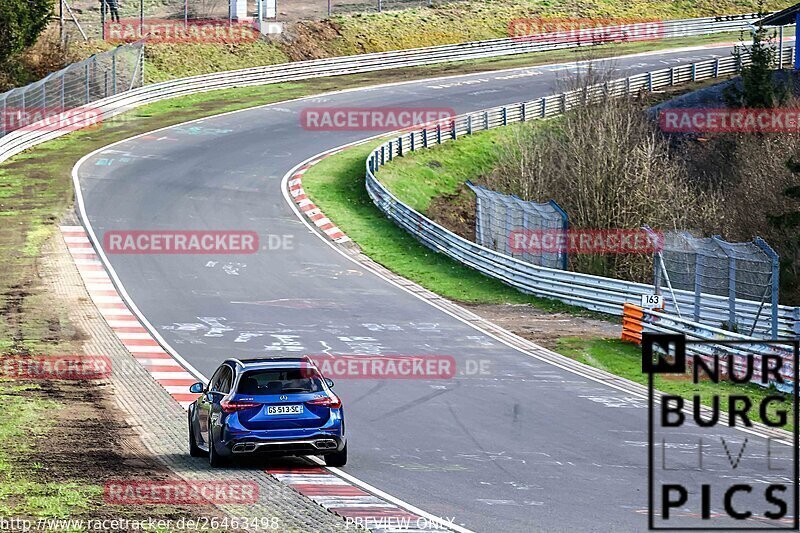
x,y
280,381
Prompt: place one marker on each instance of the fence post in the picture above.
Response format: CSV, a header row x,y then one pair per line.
x,y
563,257
698,274
731,280
114,69
776,271
86,76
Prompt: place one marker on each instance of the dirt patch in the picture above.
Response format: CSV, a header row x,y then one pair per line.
x,y
455,212
91,444
544,328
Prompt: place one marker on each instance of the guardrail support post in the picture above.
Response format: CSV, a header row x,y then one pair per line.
x,y
383,154
469,124
628,86
486,120
716,68
391,150
438,134
522,111
400,147
563,102
453,132
411,139
505,117
694,71
650,82
672,76
544,106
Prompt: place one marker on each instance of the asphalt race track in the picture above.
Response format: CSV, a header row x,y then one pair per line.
x,y
525,447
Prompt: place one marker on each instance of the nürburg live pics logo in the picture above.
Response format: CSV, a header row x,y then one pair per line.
x,y
718,456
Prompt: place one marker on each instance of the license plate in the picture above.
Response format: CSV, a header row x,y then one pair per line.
x,y
284,409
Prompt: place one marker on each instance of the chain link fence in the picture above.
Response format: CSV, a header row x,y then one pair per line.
x,y
67,95
499,218
713,266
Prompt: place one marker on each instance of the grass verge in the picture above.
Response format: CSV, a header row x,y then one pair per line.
x,y
625,360
19,495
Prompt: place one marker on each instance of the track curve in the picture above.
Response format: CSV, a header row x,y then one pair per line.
x,y
528,447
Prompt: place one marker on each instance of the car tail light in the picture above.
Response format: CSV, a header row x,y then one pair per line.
x,y
326,401
229,406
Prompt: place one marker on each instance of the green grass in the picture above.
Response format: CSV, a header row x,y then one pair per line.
x,y
477,20
625,360
20,495
337,186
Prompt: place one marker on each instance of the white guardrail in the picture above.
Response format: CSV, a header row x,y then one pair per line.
x,y
597,293
20,140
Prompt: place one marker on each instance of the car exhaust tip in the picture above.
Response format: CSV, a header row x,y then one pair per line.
x,y
325,444
246,447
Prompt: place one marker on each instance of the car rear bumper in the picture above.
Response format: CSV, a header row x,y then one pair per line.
x,y
317,445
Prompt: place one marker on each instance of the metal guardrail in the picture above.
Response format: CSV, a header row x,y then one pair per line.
x,y
591,292
656,322
16,142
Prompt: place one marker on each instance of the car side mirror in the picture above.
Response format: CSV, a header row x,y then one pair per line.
x,y
329,382
197,388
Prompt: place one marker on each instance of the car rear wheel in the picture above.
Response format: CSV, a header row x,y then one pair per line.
x,y
213,458
337,458
194,449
